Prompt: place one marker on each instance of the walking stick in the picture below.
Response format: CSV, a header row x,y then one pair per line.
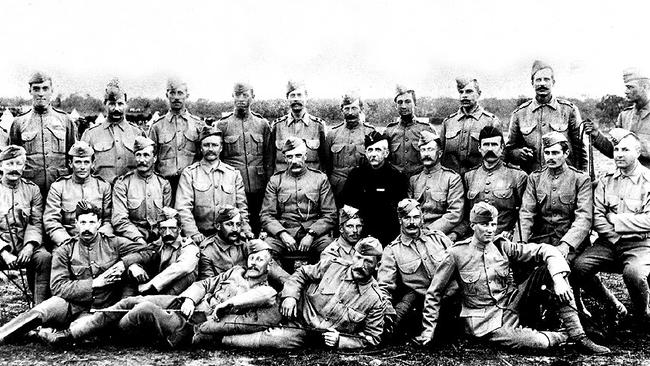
x,y
22,278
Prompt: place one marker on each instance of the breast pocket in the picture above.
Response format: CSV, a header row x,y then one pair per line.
x,y
503,197
559,123
438,200
203,196
312,149
338,157
232,145
257,144
29,140
408,266
633,205
136,208
104,155
79,272
68,215
394,150
469,281
58,138
191,137
452,136
567,200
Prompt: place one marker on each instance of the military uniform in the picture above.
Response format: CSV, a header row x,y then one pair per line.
x,y
113,145
138,203
298,205
202,189
22,224
635,120
177,144
329,297
175,266
46,137
502,186
459,137
346,151
218,256
338,251
246,148
59,215
404,138
531,120
441,196
309,128
556,207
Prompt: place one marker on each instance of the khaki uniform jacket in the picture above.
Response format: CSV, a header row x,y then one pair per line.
x,y
635,120
346,151
404,150
309,128
176,265
331,298
246,148
47,138
217,256
442,197
486,284
531,120
59,217
113,145
177,144
292,202
338,251
202,189
622,205
138,204
459,136
23,219
556,207
76,264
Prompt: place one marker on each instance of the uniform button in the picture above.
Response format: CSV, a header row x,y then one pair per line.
x,y
179,149
406,139
426,188
119,158
487,183
553,202
117,140
149,194
555,189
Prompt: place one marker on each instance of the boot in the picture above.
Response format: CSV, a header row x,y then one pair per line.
x,y
20,325
56,338
587,346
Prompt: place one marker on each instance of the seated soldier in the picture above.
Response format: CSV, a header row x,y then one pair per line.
x,y
235,301
350,227
21,228
494,309
298,211
225,249
340,306
67,190
88,271
407,268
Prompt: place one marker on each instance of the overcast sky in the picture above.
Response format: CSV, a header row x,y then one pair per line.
x,y
332,45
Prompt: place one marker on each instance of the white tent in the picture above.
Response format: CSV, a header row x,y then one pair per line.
x,y
74,114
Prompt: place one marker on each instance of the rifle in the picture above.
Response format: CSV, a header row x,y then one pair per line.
x,y
305,328
198,316
24,287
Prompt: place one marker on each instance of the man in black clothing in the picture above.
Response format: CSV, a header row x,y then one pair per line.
x,y
375,187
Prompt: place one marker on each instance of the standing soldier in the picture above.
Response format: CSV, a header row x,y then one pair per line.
x,y
459,132
538,116
246,148
21,228
113,139
207,185
59,214
439,190
299,123
176,135
46,133
495,182
404,133
635,118
344,144
140,195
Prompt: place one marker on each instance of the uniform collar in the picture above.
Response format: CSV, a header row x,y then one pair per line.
x,y
552,103
208,167
304,118
223,245
558,171
408,241
436,168
498,165
175,245
47,110
184,114
362,287
475,113
634,176
347,249
122,124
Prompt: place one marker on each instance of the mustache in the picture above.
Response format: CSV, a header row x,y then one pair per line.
x,y
541,88
411,226
13,172
427,157
168,237
86,232
491,154
296,103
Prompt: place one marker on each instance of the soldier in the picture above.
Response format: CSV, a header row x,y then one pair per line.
x,y
407,266
225,249
621,206
140,195
495,182
298,210
21,228
375,187
495,310
46,133
635,118
404,133
205,186
344,144
246,148
298,123
61,203
340,306
176,135
439,190
350,227
87,272
459,132
538,116
114,138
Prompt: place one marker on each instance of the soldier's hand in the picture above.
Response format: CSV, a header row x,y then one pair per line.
x,y
198,238
288,241
564,248
247,235
453,236
305,243
25,255
147,289
331,337
288,308
523,154
562,288
138,273
9,259
590,128
187,309
141,241
389,324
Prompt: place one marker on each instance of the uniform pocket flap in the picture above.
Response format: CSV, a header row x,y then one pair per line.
x,y
337,148
230,139
356,316
472,194
257,137
410,266
470,276
312,144
503,193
